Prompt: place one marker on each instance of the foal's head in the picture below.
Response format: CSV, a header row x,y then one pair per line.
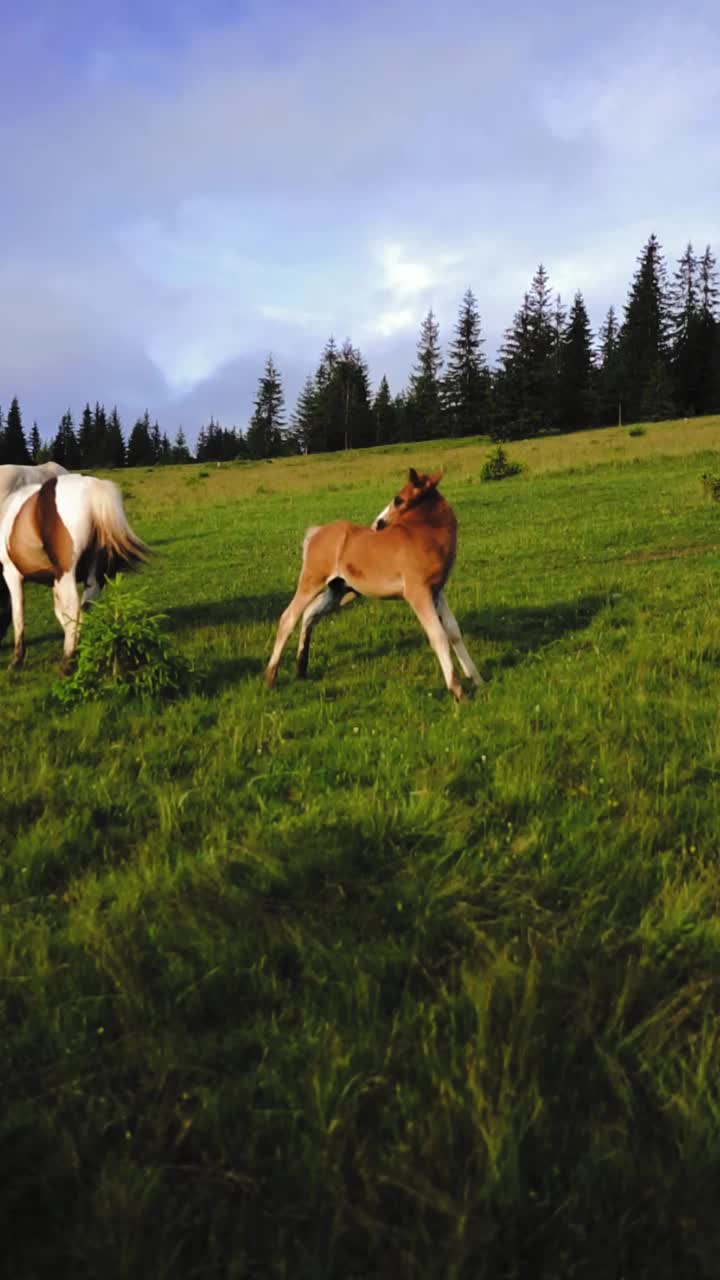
x,y
418,489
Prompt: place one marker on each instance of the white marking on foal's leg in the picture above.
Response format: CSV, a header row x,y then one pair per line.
x,y
67,612
421,602
288,619
14,584
325,603
449,621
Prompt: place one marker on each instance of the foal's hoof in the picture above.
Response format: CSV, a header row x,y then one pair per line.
x,y
269,679
66,667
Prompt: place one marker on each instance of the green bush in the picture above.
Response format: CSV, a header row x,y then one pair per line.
x,y
637,431
499,466
122,651
711,485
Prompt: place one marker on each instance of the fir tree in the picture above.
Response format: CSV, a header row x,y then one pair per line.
x,y
15,448
685,332
35,446
114,442
707,394
424,403
265,433
351,377
384,415
608,374
100,437
180,451
576,370
86,438
64,448
644,336
305,418
466,386
140,452
526,382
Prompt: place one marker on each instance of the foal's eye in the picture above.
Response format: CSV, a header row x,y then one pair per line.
x,y
398,501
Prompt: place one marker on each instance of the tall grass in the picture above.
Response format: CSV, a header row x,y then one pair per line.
x,y
343,981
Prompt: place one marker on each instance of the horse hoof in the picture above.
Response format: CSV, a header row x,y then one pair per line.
x,y
269,679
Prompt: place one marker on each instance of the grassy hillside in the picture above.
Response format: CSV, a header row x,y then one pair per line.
x,y
343,980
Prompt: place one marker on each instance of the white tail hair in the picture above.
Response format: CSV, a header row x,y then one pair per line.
x,y
112,531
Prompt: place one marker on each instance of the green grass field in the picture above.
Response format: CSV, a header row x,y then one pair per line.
x,y
344,980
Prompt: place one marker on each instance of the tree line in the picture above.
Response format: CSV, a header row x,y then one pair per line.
x,y
661,360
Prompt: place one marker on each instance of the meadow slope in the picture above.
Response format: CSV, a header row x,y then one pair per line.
x,y
343,980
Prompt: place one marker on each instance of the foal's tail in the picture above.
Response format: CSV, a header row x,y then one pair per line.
x,y
113,534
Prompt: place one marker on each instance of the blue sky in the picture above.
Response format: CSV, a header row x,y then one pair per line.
x,y
187,186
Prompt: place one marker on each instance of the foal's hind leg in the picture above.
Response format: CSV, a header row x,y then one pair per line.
x,y
449,622
308,588
421,601
334,596
67,612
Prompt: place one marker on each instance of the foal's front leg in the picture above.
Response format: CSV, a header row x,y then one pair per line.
x,y
454,635
420,600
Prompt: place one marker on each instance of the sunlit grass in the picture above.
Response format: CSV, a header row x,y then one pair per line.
x,y
344,980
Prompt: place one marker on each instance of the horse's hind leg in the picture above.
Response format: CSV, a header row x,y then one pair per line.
x,y
14,586
308,589
5,606
449,622
421,601
67,612
335,595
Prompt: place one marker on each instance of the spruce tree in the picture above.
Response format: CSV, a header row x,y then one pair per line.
x,y
305,418
35,446
64,448
180,451
384,415
644,336
608,378
14,443
265,433
576,398
424,402
707,398
527,379
86,438
466,385
351,376
140,452
114,442
100,437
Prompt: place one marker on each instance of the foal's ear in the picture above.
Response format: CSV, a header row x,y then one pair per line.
x,y
433,481
414,478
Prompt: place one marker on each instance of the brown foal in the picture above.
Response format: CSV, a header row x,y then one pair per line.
x,y
407,554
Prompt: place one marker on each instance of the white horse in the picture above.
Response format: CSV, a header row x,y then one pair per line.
x,y
70,529
14,477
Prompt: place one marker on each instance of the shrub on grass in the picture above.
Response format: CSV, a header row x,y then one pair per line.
x,y
711,485
637,431
122,651
499,466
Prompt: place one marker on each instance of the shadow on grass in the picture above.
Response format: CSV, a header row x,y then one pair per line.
x,y
231,671
237,609
528,629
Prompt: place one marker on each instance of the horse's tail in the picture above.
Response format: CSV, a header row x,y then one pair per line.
x,y
112,532
308,535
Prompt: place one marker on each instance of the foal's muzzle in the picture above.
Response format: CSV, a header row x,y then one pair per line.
x,y
379,523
